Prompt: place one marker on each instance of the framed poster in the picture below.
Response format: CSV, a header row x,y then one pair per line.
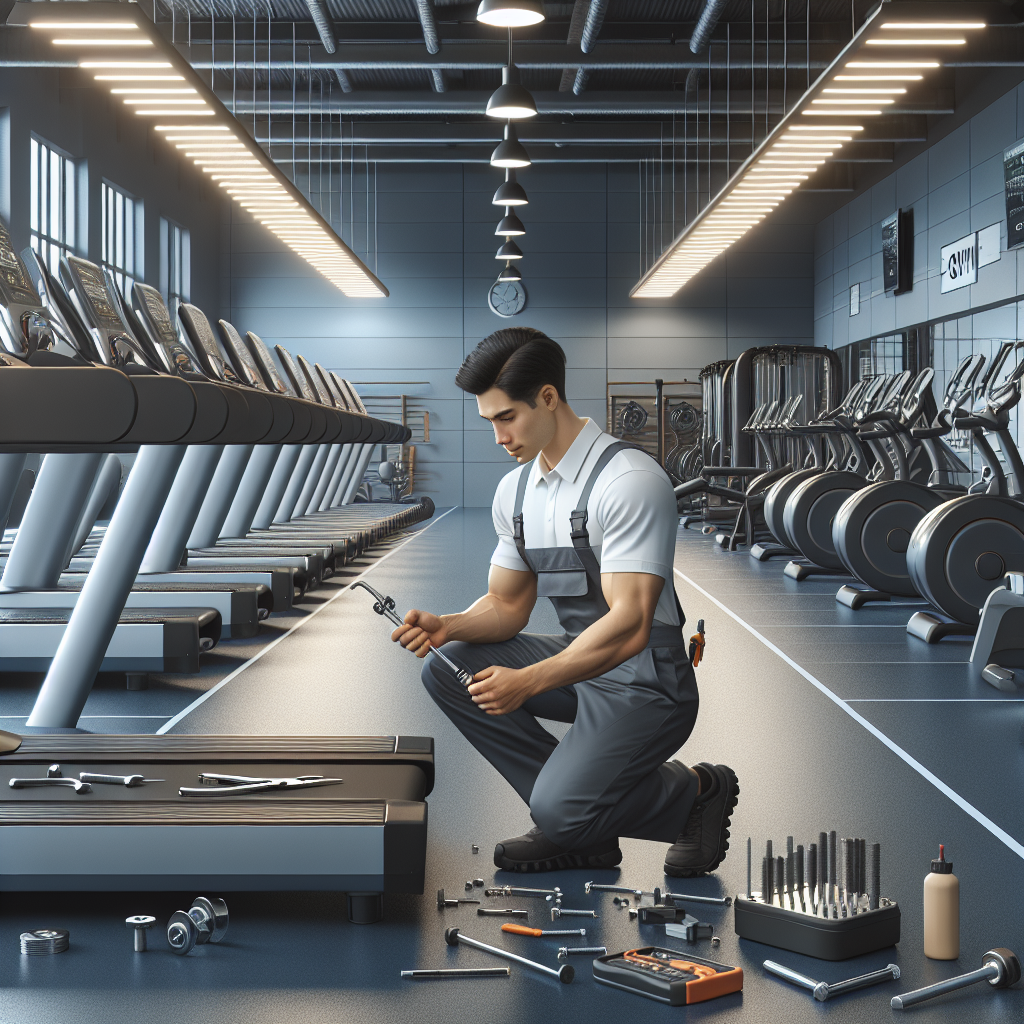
x,y
1013,176
897,256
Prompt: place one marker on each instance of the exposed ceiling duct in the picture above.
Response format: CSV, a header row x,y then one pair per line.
x,y
323,24
592,27
425,10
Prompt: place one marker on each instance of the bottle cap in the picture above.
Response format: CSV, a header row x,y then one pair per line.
x,y
942,866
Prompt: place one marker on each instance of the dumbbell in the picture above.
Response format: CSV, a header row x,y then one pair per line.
x,y
206,921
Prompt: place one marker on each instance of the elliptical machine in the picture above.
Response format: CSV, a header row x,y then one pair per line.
x,y
961,550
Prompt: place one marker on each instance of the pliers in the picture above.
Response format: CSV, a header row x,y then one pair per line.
x,y
232,785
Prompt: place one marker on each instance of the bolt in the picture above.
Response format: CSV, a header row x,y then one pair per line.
x,y
478,882
715,940
518,890
442,902
633,913
509,912
589,887
557,912
567,951
469,887
476,849
54,772
140,922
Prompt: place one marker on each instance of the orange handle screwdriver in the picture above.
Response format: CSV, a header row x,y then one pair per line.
x,y
522,929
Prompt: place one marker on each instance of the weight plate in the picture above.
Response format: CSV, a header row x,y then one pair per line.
x,y
810,511
954,554
779,493
872,530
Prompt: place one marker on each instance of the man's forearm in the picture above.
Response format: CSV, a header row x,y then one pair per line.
x,y
489,620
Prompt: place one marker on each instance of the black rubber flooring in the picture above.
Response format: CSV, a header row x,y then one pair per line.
x,y
829,725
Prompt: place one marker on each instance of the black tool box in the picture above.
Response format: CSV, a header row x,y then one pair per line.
x,y
667,975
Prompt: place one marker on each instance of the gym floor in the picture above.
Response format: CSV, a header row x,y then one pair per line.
x,y
832,719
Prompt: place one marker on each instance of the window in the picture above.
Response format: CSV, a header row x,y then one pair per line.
x,y
52,203
122,236
175,272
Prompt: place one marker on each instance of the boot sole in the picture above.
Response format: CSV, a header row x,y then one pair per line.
x,y
733,793
561,863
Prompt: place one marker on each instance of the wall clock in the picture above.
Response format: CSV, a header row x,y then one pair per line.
x,y
507,298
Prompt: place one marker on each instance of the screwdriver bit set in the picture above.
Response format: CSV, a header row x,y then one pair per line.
x,y
823,902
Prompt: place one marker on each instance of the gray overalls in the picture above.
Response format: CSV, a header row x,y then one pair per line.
x,y
610,775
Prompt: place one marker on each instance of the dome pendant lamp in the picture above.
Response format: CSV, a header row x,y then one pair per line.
x,y
510,273
510,225
509,251
510,192
510,101
510,152
510,13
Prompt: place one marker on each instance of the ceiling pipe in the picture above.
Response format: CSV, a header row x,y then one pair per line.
x,y
425,10
576,22
437,77
343,80
323,24
701,37
592,27
580,82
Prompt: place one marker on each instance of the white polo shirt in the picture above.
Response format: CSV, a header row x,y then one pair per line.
x,y
632,517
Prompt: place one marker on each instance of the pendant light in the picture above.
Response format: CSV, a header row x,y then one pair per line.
x,y
510,225
510,273
510,101
510,152
510,13
510,192
509,251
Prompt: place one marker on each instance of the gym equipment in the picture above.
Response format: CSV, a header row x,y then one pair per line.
x,y
454,937
960,550
823,990
44,941
667,975
386,606
998,651
140,924
1000,968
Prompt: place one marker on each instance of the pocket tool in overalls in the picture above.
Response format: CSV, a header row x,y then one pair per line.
x,y
571,577
386,606
236,785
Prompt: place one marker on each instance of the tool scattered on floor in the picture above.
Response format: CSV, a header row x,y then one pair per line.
x,y
667,975
621,901
443,901
140,924
478,883
690,929
823,990
657,895
504,912
697,644
557,912
131,781
215,785
205,921
516,890
567,951
50,781
999,967
459,972
522,929
454,937
386,606
43,941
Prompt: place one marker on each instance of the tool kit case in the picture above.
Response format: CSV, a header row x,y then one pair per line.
x,y
676,986
825,938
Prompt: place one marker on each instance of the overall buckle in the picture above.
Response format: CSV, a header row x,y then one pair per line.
x,y
578,523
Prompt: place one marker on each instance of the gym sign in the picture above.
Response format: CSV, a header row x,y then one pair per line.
x,y
959,263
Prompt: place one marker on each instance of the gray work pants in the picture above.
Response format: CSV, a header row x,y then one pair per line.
x,y
608,776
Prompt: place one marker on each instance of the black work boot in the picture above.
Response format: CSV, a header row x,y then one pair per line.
x,y
535,852
702,844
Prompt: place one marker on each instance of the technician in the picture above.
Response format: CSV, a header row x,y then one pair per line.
x,y
589,523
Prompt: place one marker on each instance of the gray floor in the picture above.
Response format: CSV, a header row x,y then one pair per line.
x,y
832,719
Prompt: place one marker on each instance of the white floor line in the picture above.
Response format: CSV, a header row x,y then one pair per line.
x,y
832,661
171,722
832,625
986,822
161,717
933,700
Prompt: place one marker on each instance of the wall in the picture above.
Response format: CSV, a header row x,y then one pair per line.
x,y
63,109
436,255
954,187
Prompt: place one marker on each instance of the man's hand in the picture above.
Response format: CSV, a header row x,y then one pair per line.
x,y
421,632
500,690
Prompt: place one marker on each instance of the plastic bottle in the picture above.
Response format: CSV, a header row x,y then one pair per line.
x,y
941,910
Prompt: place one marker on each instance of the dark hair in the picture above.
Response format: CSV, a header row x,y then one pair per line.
x,y
519,361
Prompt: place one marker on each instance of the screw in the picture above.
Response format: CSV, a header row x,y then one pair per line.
x,y
518,890
140,922
492,912
442,902
589,887
469,887
557,912
476,849
567,951
478,882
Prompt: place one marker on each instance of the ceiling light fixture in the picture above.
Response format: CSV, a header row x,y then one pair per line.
x,y
510,273
510,225
510,101
510,152
509,251
510,192
510,13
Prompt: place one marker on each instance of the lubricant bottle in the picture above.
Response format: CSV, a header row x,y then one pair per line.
x,y
941,910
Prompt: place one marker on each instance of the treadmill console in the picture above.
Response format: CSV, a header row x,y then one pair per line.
x,y
323,396
200,333
265,361
152,311
336,393
243,361
297,378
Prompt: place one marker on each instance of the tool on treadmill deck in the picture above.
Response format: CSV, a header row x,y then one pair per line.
x,y
236,785
460,972
131,781
667,975
515,890
502,912
443,902
205,921
690,929
51,781
823,990
1000,968
697,644
140,923
567,951
45,940
386,606
522,929
557,912
454,937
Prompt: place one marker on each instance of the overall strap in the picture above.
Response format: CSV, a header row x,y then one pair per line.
x,y
517,513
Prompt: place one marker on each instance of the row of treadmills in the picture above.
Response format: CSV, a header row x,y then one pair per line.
x,y
239,502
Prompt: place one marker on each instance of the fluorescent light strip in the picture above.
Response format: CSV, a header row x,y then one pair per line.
x,y
125,64
893,64
93,26
172,113
928,26
162,90
878,78
866,92
139,78
832,113
102,42
916,42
